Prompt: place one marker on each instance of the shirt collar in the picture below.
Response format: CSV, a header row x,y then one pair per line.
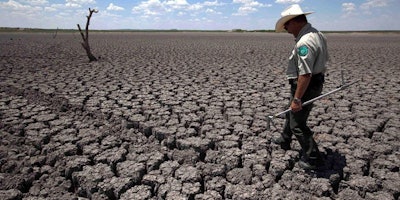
x,y
303,31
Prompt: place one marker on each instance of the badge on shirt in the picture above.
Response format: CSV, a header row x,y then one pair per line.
x,y
303,50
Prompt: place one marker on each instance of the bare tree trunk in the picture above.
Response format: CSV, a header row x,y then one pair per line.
x,y
85,43
55,34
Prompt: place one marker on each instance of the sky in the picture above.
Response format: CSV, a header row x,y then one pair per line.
x,y
339,15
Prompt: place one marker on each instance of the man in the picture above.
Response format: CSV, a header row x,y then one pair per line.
x,y
305,73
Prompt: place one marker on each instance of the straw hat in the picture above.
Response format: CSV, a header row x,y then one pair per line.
x,y
288,14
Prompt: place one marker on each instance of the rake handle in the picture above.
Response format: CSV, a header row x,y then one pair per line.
x,y
316,98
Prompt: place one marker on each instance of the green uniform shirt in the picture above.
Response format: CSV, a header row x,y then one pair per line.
x,y
309,55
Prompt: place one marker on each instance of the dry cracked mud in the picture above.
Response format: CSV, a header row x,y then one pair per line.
x,y
184,116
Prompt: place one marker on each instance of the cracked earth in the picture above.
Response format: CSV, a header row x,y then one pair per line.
x,y
184,116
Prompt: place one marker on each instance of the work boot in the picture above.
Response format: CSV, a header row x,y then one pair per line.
x,y
309,164
285,145
306,165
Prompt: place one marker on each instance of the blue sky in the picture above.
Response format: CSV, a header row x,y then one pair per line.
x,y
198,14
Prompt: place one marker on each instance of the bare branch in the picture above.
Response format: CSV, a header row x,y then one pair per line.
x,y
85,37
80,30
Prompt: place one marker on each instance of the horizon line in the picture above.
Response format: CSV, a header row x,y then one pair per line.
x,y
2,29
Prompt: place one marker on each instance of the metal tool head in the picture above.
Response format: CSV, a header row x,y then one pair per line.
x,y
270,122
343,81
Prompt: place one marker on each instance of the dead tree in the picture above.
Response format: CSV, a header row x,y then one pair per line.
x,y
85,37
55,34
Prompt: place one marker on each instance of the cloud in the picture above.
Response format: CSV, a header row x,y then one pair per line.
x,y
196,6
288,1
81,1
114,7
20,9
348,7
212,11
37,2
13,5
78,3
54,7
150,7
212,3
30,6
374,3
248,6
157,7
176,4
245,10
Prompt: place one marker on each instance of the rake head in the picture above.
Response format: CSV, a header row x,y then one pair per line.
x,y
270,122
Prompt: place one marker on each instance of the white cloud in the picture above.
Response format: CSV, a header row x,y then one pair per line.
x,y
54,7
157,7
196,6
245,11
176,3
212,3
288,1
150,7
374,3
78,3
348,7
50,9
209,10
81,1
114,7
73,5
37,2
13,5
21,9
240,1
248,6
212,11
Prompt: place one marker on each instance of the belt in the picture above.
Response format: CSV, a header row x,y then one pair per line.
x,y
316,79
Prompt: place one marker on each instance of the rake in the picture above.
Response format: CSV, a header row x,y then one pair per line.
x,y
343,86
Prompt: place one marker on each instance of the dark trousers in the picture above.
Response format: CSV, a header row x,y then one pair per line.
x,y
296,123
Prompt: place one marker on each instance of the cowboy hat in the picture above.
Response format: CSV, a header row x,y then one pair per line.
x,y
288,14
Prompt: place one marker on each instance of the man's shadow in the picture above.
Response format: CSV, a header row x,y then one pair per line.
x,y
332,168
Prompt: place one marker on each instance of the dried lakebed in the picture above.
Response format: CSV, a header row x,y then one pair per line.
x,y
183,116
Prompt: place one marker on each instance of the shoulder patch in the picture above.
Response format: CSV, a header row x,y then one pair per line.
x,y
303,50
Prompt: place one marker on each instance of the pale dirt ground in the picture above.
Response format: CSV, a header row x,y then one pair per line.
x,y
184,115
